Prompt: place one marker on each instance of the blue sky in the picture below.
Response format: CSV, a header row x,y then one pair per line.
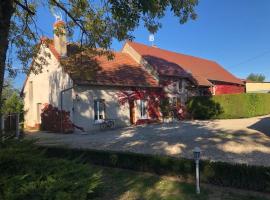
x,y
235,33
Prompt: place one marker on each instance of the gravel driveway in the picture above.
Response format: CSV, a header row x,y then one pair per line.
x,y
237,140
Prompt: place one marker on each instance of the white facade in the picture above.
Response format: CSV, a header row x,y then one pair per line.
x,y
84,108
45,87
88,105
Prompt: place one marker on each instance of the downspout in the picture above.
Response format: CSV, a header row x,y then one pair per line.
x,y
61,106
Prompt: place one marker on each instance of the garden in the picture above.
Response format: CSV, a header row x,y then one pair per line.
x,y
31,172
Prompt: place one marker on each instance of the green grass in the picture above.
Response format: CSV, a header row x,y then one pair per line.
x,y
27,173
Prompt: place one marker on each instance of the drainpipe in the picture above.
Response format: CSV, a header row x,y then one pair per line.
x,y
61,106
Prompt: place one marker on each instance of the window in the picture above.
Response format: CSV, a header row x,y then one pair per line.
x,y
30,91
174,101
99,109
180,86
39,111
143,109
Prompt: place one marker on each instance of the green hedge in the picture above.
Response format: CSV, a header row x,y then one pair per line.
x,y
27,173
229,106
218,173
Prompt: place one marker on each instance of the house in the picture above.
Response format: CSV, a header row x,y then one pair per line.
x,y
88,86
257,87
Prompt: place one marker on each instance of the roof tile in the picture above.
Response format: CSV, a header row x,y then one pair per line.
x,y
120,71
171,63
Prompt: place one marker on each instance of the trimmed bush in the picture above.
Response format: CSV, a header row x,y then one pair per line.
x,y
218,173
229,106
26,173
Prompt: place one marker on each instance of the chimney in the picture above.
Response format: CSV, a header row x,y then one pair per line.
x,y
60,39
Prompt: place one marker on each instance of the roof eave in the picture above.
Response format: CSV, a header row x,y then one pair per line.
x,y
115,85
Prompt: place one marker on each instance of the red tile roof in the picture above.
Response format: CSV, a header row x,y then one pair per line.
x,y
125,71
171,63
121,71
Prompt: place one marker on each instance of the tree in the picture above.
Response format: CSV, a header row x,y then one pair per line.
x,y
256,77
97,22
12,102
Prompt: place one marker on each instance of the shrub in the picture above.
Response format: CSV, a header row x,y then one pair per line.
x,y
51,118
204,108
26,173
229,106
218,173
171,110
165,107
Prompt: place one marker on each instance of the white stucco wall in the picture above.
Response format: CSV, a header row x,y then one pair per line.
x,y
83,114
46,88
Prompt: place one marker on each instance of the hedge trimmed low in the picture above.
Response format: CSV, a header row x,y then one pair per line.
x,y
229,106
218,173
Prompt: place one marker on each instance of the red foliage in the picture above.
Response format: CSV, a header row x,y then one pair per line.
x,y
126,96
153,97
51,119
146,121
181,112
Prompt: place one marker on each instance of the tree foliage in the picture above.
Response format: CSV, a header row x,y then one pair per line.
x,y
97,23
12,102
256,77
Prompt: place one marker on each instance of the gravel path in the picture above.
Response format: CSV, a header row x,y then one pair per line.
x,y
237,140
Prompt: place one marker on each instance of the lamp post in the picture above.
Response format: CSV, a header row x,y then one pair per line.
x,y
196,154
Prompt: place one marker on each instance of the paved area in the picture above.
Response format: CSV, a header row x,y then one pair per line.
x,y
237,140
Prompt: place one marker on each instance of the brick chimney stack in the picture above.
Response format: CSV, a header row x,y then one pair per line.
x,y
60,38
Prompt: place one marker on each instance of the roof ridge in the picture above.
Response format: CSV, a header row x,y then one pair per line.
x,y
209,60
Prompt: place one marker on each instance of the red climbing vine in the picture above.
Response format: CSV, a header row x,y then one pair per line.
x,y
153,97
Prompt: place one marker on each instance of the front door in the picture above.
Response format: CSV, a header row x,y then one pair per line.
x,y
132,112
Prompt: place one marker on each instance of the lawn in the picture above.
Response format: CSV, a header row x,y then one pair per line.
x,y
27,173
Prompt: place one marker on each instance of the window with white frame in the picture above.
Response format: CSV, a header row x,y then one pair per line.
x,y
143,109
99,110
